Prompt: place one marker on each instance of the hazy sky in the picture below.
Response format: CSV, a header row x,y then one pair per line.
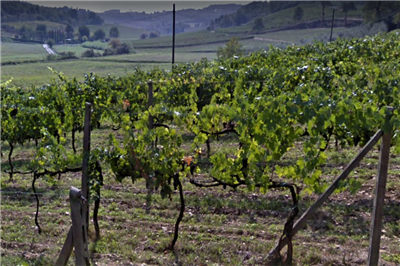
x,y
148,6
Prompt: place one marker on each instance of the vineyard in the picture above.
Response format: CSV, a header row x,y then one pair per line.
x,y
252,126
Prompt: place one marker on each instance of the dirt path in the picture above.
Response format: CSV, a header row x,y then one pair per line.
x,y
48,49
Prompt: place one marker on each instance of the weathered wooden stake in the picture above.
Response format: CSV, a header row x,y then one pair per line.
x,y
380,189
303,219
77,237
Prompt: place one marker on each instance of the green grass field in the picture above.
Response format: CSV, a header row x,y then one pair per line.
x,y
20,52
38,74
192,38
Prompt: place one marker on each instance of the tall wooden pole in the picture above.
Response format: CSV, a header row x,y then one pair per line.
x,y
173,36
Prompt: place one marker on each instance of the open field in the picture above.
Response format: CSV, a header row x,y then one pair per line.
x,y
220,227
38,74
192,38
20,52
164,56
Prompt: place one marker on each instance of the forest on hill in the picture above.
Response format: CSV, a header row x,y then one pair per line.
x,y
12,11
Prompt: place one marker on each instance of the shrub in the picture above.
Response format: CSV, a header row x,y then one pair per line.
x,y
117,48
90,53
67,55
231,48
123,49
99,35
153,35
50,43
114,43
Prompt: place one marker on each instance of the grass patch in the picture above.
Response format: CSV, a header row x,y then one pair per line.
x,y
38,74
21,52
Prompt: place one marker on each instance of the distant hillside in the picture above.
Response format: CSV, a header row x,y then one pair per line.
x,y
186,20
250,11
13,11
370,11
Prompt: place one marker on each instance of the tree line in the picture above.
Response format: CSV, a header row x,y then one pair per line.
x,y
12,11
62,35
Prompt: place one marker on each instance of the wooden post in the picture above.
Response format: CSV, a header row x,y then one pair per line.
x,y
76,236
303,219
379,199
79,235
85,166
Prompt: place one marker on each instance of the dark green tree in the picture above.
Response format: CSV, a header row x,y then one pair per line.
x,y
41,27
258,24
298,14
376,11
94,19
240,17
69,30
324,4
346,7
73,13
50,43
99,35
225,21
153,35
41,31
114,33
26,32
83,31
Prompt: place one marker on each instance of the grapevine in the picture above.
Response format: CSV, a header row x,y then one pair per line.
x,y
269,101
